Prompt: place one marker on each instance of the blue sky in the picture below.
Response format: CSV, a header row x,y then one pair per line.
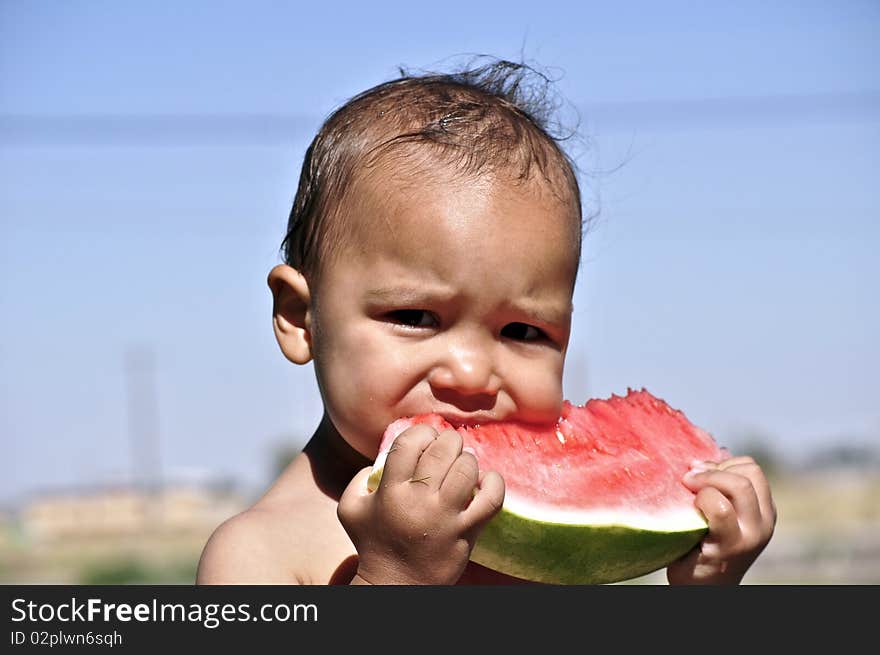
x,y
149,155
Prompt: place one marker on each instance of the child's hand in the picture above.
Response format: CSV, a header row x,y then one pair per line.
x,y
735,498
420,525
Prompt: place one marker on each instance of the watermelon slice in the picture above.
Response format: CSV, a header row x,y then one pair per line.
x,y
595,498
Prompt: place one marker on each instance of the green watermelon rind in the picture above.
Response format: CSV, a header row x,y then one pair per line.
x,y
574,554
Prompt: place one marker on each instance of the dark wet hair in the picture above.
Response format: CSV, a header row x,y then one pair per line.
x,y
488,120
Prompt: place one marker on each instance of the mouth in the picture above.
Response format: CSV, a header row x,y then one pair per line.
x,y
458,421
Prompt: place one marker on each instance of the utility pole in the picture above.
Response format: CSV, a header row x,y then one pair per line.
x,y
143,426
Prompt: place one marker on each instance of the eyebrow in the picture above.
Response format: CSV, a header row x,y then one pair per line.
x,y
406,294
547,314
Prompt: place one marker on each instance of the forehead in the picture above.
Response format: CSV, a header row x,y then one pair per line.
x,y
440,225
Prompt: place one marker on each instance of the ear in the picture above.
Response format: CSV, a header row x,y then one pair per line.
x,y
291,313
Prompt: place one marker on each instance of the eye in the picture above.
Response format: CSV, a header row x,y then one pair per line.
x,y
522,332
413,318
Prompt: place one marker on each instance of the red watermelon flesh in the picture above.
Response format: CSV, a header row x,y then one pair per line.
x,y
626,452
606,476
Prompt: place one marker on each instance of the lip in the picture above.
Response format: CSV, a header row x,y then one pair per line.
x,y
457,421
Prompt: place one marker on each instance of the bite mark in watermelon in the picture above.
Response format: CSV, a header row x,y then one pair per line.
x,y
595,498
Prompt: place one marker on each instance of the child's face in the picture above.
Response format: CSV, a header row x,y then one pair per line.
x,y
448,297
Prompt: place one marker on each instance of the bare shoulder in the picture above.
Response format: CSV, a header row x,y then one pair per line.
x,y
247,549
290,536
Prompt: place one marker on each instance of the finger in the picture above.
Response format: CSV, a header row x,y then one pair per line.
x,y
734,461
725,460
354,496
749,468
720,515
737,488
405,452
437,458
461,481
487,501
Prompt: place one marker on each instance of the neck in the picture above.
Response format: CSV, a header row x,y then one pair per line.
x,y
333,462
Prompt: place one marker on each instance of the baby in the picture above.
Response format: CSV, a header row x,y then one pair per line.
x,y
431,258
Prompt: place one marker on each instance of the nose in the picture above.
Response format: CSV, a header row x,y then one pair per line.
x,y
468,369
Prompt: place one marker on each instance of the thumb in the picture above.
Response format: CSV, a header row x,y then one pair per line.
x,y
358,484
354,495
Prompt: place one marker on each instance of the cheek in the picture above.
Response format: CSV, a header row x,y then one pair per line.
x,y
363,364
351,398
537,391
361,379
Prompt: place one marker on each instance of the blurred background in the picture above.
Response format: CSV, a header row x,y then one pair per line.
x,y
149,156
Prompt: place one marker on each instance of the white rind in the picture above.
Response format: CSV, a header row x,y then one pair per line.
x,y
673,520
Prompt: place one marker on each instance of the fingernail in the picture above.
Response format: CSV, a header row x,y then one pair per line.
x,y
468,449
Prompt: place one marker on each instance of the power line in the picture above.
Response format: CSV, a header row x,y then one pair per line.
x,y
279,129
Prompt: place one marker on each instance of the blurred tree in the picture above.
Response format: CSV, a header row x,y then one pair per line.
x,y
121,571
133,570
844,453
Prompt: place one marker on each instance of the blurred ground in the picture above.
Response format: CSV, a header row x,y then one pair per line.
x,y
113,535
828,532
